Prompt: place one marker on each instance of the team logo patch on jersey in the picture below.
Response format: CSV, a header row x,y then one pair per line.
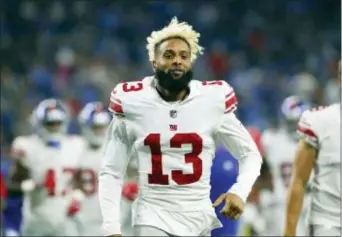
x,y
173,113
173,127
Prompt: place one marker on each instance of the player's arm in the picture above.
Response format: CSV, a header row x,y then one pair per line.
x,y
77,195
235,137
18,179
304,162
111,177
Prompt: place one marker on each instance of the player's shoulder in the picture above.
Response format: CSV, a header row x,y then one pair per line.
x,y
319,115
24,140
22,145
219,91
126,95
269,135
216,87
331,110
315,123
75,141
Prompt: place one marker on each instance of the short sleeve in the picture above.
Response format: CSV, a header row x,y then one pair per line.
x,y
19,150
230,100
115,101
308,128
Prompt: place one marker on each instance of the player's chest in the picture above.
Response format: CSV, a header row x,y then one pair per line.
x,y
175,128
45,158
197,116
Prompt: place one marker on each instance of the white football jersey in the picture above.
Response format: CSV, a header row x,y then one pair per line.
x,y
52,170
174,143
89,168
89,216
279,148
321,128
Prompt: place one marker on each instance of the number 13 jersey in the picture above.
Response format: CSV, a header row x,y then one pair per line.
x,y
175,142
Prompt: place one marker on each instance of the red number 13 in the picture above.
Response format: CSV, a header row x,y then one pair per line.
x,y
132,86
157,176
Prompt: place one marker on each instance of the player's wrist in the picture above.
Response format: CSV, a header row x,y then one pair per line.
x,y
240,193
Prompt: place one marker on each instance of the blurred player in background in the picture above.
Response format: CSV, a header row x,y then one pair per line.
x,y
94,119
45,164
318,151
252,222
172,124
279,146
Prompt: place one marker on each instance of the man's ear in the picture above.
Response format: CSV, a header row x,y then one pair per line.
x,y
154,65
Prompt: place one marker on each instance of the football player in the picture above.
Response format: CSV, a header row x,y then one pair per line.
x,y
318,151
172,124
279,146
93,119
45,164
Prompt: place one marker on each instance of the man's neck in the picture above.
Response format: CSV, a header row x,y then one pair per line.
x,y
172,96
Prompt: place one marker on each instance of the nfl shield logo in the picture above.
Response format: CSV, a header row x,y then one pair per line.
x,y
173,113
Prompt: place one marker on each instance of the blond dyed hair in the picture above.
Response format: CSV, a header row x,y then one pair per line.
x,y
175,29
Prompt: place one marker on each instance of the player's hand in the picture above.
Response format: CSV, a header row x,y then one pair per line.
x,y
130,191
75,204
233,207
74,207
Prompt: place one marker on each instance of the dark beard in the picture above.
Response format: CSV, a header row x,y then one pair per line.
x,y
166,80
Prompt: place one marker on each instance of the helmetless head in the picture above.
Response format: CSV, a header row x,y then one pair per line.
x,y
172,52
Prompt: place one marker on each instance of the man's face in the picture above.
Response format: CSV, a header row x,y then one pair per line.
x,y
99,129
53,127
173,64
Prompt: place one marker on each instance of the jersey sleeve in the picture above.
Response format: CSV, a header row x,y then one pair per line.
x,y
235,137
230,100
19,150
115,159
115,101
308,128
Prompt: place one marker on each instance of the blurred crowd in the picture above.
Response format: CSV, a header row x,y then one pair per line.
x,y
79,50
